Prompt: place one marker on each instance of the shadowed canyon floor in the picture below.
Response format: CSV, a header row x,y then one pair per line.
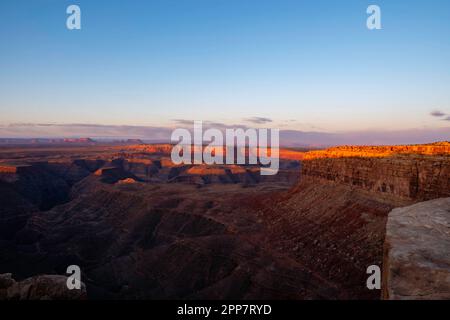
x,y
140,227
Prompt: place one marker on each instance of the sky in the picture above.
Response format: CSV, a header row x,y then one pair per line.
x,y
310,66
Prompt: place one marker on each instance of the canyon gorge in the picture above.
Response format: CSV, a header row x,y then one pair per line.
x,y
141,227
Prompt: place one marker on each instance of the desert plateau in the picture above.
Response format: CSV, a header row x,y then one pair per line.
x,y
140,227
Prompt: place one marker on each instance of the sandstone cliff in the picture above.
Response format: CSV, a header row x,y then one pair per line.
x,y
412,172
417,252
334,220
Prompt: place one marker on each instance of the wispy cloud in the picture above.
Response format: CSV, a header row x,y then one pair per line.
x,y
183,122
188,124
437,113
258,120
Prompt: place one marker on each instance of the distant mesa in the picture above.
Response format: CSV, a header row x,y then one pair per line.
x,y
134,141
78,140
43,141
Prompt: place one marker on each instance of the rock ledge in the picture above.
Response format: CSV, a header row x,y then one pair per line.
x,y
417,252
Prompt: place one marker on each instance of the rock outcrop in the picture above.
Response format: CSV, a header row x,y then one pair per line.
x,y
43,287
417,252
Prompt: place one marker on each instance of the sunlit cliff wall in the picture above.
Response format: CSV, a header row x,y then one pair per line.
x,y
416,172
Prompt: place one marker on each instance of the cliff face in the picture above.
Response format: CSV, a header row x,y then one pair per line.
x,y
411,172
334,220
417,252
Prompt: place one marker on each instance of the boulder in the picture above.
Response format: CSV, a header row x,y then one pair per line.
x,y
417,252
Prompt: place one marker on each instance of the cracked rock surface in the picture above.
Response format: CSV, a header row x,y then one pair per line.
x,y
417,252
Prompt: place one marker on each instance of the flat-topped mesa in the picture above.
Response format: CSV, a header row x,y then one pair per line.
x,y
419,172
438,148
78,140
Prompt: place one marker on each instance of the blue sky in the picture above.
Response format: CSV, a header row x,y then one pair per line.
x,y
306,65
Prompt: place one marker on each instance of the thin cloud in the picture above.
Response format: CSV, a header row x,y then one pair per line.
x,y
258,120
208,124
437,113
183,122
447,118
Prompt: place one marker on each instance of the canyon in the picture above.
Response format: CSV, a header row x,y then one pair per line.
x,y
141,227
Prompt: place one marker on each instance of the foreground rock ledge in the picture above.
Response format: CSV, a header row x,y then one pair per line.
x,y
417,252
43,287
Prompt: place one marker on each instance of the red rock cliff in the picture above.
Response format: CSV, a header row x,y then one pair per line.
x,y
419,172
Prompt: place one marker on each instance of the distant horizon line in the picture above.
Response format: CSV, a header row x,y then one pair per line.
x,y
288,137
26,141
